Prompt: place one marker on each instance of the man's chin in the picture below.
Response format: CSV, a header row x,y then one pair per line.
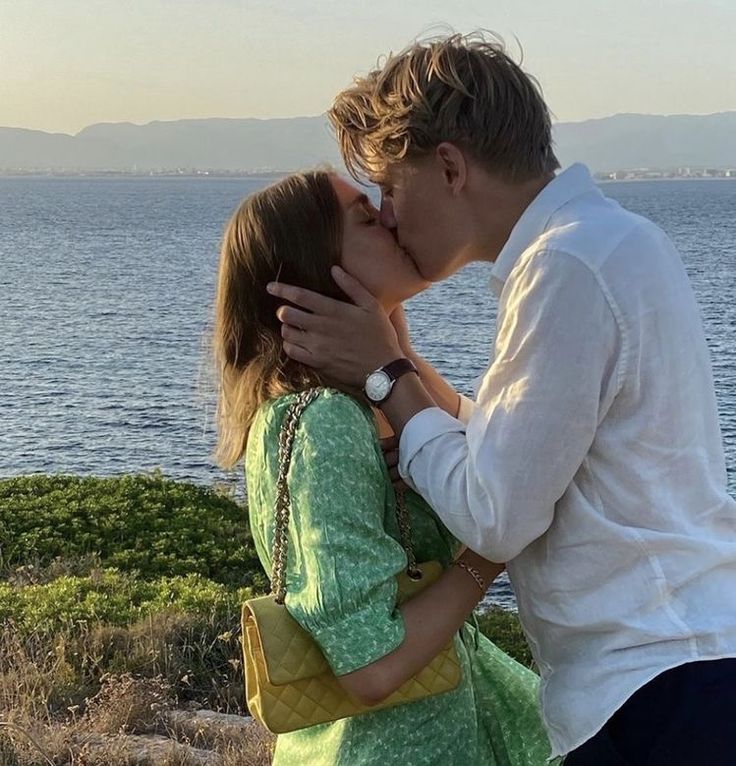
x,y
417,267
439,272
418,288
431,279
406,292
425,271
422,281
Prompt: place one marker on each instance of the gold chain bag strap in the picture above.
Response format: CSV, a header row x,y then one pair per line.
x,y
288,683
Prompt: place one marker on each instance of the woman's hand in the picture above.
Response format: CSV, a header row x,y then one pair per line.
x,y
390,447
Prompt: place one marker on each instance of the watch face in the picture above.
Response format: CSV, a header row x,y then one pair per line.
x,y
377,386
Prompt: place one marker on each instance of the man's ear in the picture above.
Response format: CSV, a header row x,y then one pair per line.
x,y
453,165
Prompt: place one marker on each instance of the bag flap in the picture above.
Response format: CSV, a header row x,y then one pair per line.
x,y
289,652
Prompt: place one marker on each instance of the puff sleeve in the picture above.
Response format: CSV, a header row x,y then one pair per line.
x,y
341,577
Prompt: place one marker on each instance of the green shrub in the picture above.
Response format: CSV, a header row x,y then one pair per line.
x,y
118,599
504,629
114,598
146,524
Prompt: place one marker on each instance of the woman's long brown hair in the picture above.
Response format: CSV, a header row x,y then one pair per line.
x,y
289,232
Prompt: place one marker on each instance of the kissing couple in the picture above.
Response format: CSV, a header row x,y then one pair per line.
x,y
589,463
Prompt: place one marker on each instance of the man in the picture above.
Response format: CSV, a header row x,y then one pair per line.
x,y
592,460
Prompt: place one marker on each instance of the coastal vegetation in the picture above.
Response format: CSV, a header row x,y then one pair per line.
x,y
120,607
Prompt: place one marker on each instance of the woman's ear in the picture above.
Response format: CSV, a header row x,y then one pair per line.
x,y
453,166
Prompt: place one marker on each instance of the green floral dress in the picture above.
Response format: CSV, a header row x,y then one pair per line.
x,y
343,560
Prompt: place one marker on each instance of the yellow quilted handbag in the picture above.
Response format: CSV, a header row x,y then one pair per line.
x,y
289,684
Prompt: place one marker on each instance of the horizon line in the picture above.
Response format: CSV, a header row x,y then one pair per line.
x,y
322,114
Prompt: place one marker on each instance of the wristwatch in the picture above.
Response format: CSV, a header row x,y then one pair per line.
x,y
379,384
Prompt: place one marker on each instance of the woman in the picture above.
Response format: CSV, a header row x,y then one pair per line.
x,y
344,553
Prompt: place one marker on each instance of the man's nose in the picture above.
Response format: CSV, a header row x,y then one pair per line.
x,y
387,217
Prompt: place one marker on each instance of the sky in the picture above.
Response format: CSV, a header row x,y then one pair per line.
x,y
66,64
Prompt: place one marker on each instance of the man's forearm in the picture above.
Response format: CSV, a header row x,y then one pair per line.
x,y
412,394
408,397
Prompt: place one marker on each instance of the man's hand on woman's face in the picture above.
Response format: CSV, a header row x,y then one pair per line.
x,y
344,341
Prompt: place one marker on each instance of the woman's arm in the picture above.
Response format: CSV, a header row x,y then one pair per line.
x,y
443,394
438,388
431,618
341,583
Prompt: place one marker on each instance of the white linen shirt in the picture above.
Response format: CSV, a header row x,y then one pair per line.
x,y
592,461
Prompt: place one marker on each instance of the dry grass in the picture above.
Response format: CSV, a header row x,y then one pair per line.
x,y
198,657
255,747
58,707
93,694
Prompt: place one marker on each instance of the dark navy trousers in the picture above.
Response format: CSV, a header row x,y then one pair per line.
x,y
684,717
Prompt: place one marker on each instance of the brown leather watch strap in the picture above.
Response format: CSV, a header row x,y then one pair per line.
x,y
399,367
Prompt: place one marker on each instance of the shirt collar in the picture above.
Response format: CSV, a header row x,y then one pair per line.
x,y
563,188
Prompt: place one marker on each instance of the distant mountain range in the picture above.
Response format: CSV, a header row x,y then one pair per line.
x,y
624,141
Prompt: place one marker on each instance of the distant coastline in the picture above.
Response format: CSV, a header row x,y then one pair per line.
x,y
620,147
694,174
253,174
678,174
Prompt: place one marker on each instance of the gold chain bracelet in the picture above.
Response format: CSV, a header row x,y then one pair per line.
x,y
474,573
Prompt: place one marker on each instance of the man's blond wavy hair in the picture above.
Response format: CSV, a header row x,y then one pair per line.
x,y
464,89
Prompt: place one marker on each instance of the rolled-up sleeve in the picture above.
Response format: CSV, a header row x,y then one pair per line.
x,y
494,481
342,564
